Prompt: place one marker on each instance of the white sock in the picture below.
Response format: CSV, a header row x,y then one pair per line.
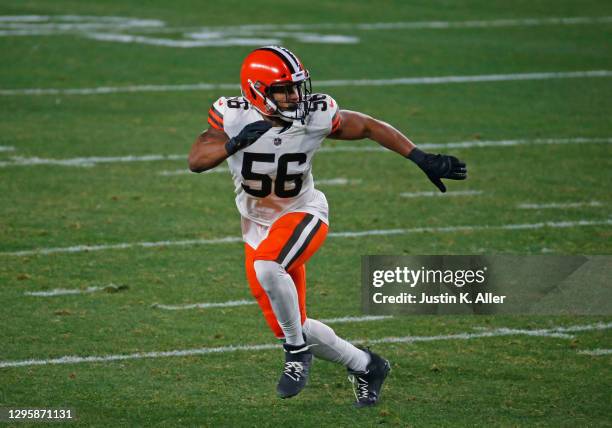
x,y
280,288
333,348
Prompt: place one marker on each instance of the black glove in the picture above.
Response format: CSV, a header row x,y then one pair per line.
x,y
247,136
439,166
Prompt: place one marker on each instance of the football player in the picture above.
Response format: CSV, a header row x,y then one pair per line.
x,y
269,136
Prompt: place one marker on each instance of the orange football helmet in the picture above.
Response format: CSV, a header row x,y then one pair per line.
x,y
275,69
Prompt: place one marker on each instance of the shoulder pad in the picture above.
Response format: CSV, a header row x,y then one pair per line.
x,y
227,110
216,113
239,103
326,107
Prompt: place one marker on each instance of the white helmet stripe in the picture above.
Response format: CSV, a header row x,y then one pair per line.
x,y
297,61
288,56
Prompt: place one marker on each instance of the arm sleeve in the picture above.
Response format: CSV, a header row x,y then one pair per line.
x,y
216,112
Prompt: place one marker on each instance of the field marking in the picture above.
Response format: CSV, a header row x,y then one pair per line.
x,y
348,234
7,149
227,304
439,194
117,29
555,332
340,181
90,161
65,291
466,79
477,144
215,39
186,171
80,21
365,318
122,246
218,41
62,292
95,160
322,83
559,205
244,302
55,21
596,352
402,25
44,25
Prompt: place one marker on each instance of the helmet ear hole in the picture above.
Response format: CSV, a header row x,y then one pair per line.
x,y
253,94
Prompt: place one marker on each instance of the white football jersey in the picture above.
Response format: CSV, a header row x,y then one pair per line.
x,y
273,176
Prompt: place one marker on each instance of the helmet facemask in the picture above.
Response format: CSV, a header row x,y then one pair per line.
x,y
291,99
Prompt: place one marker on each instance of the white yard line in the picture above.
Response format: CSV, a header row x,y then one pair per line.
x,y
465,79
101,90
7,149
555,332
351,234
23,18
190,43
244,302
90,161
95,160
228,304
412,25
122,246
159,26
596,352
439,194
116,29
559,205
62,24
185,171
365,318
62,292
340,181
65,291
475,144
322,83
402,25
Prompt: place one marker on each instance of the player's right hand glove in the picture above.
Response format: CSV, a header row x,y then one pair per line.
x,y
247,136
439,166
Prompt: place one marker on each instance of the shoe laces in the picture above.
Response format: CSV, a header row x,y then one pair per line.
x,y
294,370
361,386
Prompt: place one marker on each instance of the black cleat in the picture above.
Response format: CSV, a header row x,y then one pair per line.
x,y
295,371
367,385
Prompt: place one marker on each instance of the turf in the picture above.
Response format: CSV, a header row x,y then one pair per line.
x,y
500,381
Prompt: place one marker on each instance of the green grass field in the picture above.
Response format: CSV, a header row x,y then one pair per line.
x,y
512,380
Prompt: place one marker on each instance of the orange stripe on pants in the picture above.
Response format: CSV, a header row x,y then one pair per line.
x,y
280,234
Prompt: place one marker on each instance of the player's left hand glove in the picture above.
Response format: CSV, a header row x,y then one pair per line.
x,y
439,166
247,136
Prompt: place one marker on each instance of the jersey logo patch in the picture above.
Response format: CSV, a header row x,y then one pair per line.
x,y
277,141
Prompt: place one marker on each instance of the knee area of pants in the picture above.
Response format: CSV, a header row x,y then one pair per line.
x,y
268,271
